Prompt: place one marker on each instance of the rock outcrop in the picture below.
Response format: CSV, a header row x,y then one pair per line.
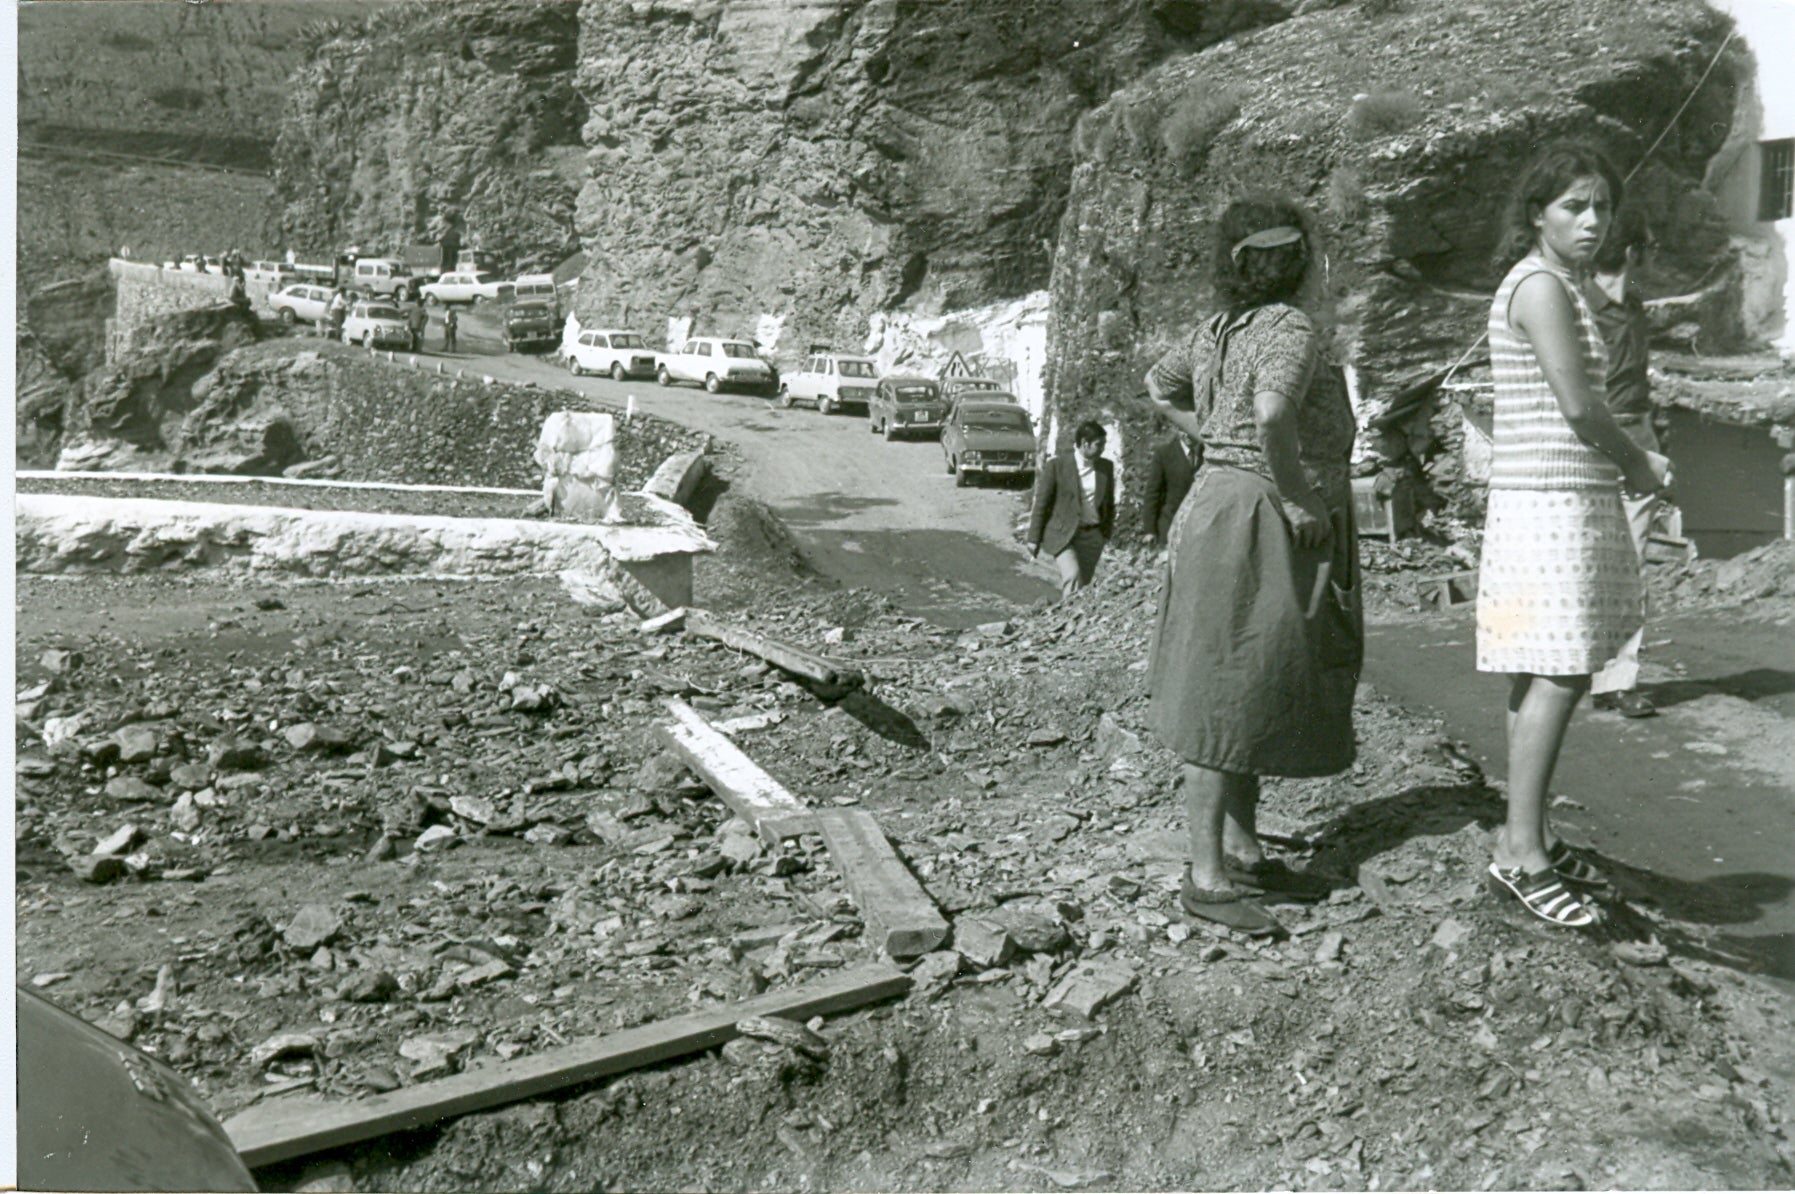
x,y
1401,133
426,118
818,163
131,411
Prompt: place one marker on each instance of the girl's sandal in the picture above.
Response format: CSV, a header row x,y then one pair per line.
x,y
1231,909
1570,866
1544,894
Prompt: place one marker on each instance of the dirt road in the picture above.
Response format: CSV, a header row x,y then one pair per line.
x,y
1698,802
885,516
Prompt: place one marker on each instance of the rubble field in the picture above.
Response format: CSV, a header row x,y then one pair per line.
x,y
356,836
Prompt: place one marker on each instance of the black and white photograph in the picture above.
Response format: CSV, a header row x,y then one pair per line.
x,y
902,595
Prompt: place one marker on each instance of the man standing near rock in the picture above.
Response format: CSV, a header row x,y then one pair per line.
x,y
1620,316
451,322
1075,508
339,310
1170,470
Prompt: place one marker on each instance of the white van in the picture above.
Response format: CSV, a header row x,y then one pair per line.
x,y
381,275
535,288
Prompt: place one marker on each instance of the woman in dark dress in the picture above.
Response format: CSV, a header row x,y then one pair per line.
x,y
1257,648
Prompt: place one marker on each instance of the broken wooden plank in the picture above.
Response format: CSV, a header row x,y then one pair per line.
x,y
281,1129
784,656
738,781
672,620
900,917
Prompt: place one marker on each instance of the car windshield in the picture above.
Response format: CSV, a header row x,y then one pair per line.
x,y
740,351
627,340
918,393
384,313
858,369
997,420
975,384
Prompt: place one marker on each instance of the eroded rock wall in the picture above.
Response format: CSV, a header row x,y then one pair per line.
x,y
428,117
820,162
1401,134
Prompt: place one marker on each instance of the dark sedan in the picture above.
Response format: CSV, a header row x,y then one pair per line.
x,y
989,439
906,406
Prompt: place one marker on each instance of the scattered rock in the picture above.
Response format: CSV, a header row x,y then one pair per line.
x,y
120,841
784,1032
235,754
1640,953
484,973
368,986
190,777
312,926
981,943
136,744
1113,741
1041,1044
285,1044
128,789
1090,986
437,837
97,868
659,773
1034,927
438,1053
477,809
1450,934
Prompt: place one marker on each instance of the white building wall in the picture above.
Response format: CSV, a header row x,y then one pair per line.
x,y
1766,112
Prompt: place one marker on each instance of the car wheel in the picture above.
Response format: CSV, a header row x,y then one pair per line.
x,y
785,397
573,367
288,317
367,339
475,301
433,300
890,431
824,406
711,384
619,373
664,377
962,478
949,458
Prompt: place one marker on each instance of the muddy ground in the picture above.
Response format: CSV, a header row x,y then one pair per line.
x,y
386,831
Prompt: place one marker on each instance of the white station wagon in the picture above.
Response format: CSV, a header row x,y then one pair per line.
x,y
466,287
831,381
300,303
620,354
717,364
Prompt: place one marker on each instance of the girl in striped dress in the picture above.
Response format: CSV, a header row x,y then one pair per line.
x,y
1558,586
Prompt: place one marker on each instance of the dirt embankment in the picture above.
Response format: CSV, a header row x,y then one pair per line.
x,y
422,826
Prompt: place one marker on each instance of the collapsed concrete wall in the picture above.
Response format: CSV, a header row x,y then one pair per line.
x,y
1403,157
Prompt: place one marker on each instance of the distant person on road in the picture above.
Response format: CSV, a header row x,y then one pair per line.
x,y
1170,470
1620,317
239,291
451,322
418,320
1558,585
1075,508
339,310
1259,639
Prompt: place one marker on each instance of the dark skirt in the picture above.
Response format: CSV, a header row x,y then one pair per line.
x,y
1252,669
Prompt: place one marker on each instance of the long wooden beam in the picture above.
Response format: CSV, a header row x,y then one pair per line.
x,y
280,1129
738,781
784,656
900,917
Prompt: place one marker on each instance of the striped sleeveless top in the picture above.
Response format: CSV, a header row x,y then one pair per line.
x,y
1535,447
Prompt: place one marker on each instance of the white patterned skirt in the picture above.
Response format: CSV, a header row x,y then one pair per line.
x,y
1558,590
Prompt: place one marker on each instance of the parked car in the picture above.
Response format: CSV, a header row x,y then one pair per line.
x,y
301,303
717,364
465,287
97,1114
269,273
953,387
989,439
376,325
193,263
603,350
380,275
831,381
531,325
537,288
906,406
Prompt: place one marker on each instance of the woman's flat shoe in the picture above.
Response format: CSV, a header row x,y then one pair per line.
x,y
1274,877
1544,894
1231,909
1570,866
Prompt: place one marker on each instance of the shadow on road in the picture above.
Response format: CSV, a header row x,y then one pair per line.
x,y
1754,685
830,507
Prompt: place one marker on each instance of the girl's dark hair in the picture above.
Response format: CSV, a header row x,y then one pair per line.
x,y
1550,174
1089,431
1254,277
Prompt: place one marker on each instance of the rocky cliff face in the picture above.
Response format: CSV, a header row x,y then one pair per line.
x,y
430,117
1401,133
145,75
803,165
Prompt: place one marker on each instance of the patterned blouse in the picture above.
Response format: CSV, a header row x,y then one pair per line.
x,y
1535,447
1275,348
